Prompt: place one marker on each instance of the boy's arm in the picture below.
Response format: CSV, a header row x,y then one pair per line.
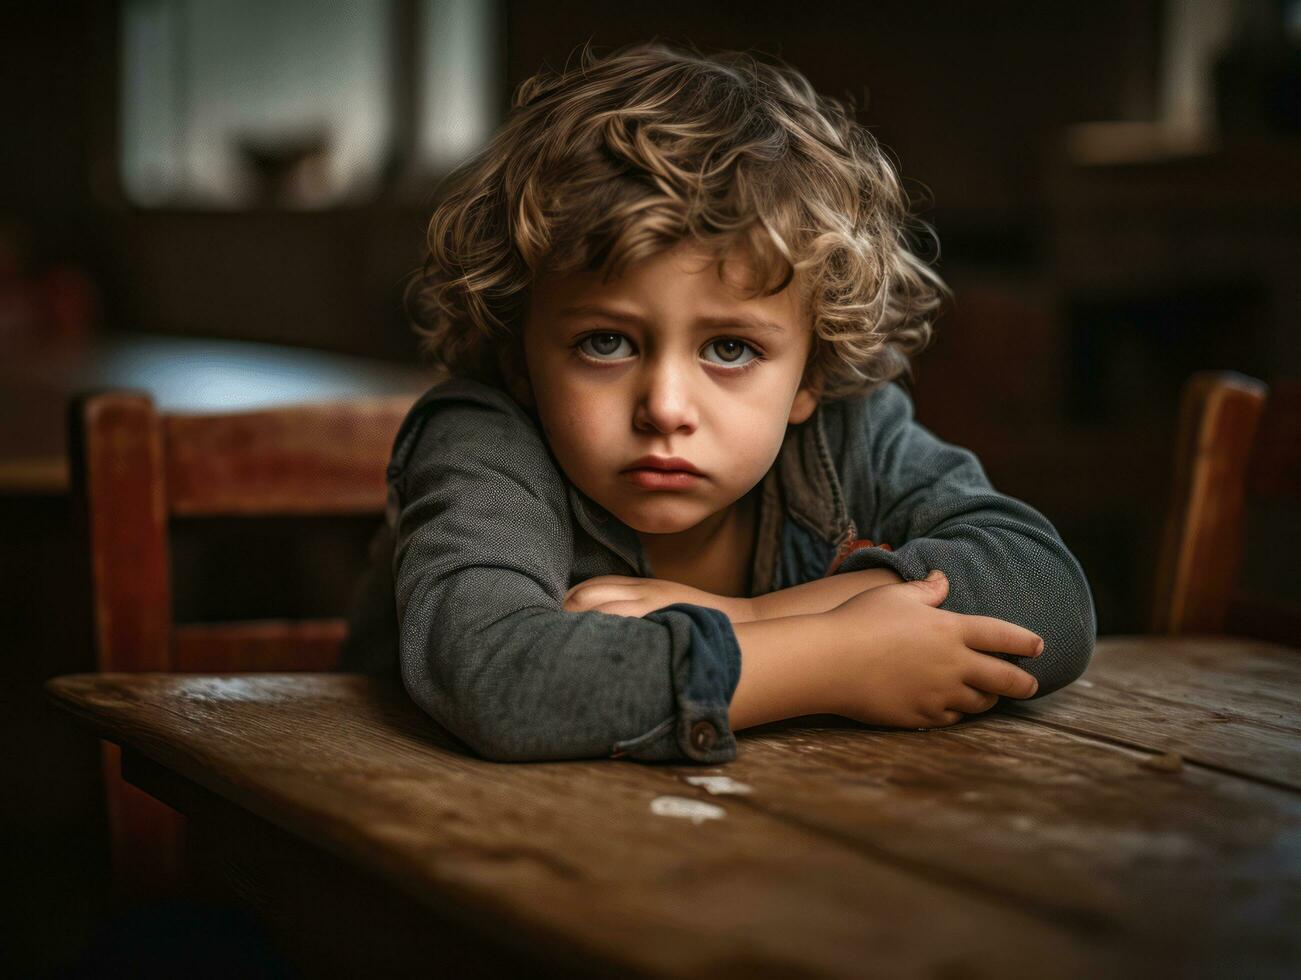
x,y
483,550
817,596
932,501
626,595
917,666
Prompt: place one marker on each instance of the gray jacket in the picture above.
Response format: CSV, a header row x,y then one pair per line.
x,y
486,535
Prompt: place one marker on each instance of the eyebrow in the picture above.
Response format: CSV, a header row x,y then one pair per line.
x,y
745,321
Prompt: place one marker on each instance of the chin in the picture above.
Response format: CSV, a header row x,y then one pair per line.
x,y
659,516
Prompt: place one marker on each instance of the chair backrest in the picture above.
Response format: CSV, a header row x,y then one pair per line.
x,y
135,468
1238,447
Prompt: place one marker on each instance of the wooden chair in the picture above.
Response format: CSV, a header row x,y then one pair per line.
x,y
1238,447
132,470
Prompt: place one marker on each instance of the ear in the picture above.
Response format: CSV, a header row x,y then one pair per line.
x,y
810,390
806,400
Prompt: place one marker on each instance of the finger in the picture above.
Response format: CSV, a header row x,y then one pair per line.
x,y
931,590
606,592
579,599
576,599
994,676
1000,636
586,597
973,701
604,581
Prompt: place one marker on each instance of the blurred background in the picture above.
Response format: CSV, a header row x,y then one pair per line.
x,y
219,201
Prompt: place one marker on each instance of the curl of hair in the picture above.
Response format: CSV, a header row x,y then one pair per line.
x,y
611,161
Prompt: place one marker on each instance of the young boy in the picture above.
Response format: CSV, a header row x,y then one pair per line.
x,y
671,297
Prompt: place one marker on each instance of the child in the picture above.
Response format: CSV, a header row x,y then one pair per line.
x,y
669,489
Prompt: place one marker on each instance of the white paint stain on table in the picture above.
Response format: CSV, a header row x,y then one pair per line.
x,y
697,811
718,785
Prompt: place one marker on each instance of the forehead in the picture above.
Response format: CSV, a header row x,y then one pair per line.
x,y
666,283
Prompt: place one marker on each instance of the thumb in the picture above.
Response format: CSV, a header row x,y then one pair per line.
x,y
932,589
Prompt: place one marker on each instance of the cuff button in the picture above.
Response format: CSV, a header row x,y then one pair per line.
x,y
703,736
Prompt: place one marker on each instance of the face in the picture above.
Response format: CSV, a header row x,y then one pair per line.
x,y
668,360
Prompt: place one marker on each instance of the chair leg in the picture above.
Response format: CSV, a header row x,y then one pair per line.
x,y
146,837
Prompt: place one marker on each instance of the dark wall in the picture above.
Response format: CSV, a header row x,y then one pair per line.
x,y
52,65
970,102
969,96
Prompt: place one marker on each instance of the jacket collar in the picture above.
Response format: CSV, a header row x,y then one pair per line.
x,y
607,529
804,485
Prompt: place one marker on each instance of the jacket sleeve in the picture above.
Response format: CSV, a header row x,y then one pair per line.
x,y
482,556
932,502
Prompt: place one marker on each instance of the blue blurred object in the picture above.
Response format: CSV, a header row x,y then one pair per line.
x,y
182,375
227,375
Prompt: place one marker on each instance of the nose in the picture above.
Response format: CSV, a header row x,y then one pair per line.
x,y
666,402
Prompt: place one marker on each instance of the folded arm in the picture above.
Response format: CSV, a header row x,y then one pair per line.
x,y
932,501
626,595
820,595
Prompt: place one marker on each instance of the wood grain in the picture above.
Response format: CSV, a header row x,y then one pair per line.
x,y
309,459
1001,845
1178,868
118,482
1201,549
330,919
116,452
134,469
1237,449
562,854
1223,702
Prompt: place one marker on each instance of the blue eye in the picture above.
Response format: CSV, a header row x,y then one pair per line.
x,y
731,351
604,344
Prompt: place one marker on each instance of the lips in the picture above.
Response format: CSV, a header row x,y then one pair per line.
x,y
663,473
650,479
670,464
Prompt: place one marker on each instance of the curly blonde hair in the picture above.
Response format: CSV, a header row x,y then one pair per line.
x,y
622,156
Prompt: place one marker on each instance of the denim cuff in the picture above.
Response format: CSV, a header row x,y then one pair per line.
x,y
705,661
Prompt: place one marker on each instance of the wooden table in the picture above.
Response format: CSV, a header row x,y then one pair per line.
x,y
1145,821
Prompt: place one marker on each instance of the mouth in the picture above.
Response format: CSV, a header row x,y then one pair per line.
x,y
649,478
663,464
662,473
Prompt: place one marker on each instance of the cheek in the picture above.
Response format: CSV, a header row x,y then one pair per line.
x,y
752,433
580,422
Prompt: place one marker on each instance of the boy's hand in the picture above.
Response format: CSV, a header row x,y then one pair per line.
x,y
628,595
913,665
